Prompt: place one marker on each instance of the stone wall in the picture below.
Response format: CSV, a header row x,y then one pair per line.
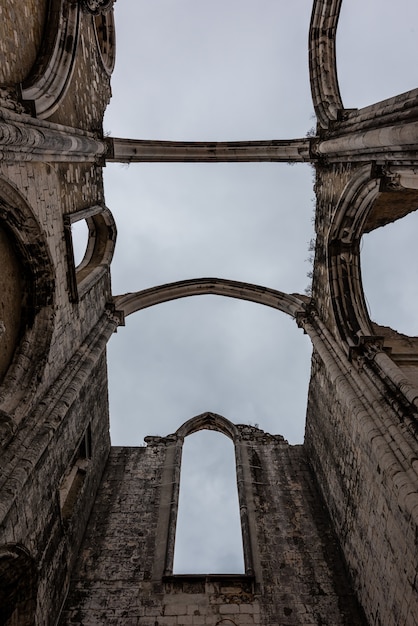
x,y
299,578
34,467
366,492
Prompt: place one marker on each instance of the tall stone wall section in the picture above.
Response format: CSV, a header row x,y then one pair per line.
x,y
361,434
300,578
374,526
54,414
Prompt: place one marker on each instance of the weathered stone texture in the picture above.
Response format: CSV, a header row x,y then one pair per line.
x,y
81,107
51,191
355,467
37,461
20,22
300,576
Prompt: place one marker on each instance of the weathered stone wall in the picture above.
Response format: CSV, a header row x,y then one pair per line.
x,y
33,468
81,107
366,492
299,579
20,22
56,417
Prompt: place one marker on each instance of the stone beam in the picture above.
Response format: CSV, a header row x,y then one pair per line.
x,y
137,151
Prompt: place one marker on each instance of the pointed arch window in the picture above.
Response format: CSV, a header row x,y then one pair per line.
x,y
208,529
170,489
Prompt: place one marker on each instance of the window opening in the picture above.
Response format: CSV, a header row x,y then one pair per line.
x,y
208,533
370,70
80,237
90,236
75,476
389,268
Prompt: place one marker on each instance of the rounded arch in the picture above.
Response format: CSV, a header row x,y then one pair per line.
x,y
37,310
370,199
48,81
208,421
322,61
18,586
287,303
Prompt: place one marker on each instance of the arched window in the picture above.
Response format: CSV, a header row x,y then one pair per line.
x,y
390,280
208,529
169,497
82,274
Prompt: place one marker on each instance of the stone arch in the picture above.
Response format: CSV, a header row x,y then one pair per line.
x,y
47,83
31,347
18,586
166,531
104,29
129,303
211,437
322,61
208,421
99,251
371,199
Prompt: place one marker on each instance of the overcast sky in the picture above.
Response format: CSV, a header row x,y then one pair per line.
x,y
233,70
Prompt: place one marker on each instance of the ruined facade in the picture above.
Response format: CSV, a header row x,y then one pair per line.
x,y
86,531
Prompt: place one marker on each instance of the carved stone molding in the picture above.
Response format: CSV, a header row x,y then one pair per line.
x,y
96,7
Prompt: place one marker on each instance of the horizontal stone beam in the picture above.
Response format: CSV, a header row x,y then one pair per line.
x,y
137,151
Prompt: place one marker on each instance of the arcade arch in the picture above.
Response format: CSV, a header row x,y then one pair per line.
x,y
26,254
209,353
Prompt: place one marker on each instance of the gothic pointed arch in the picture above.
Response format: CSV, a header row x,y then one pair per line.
x,y
35,307
166,531
293,305
99,251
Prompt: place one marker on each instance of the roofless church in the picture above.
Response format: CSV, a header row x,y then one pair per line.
x,y
87,532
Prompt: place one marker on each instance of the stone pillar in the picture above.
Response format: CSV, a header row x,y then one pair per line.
x,y
134,151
